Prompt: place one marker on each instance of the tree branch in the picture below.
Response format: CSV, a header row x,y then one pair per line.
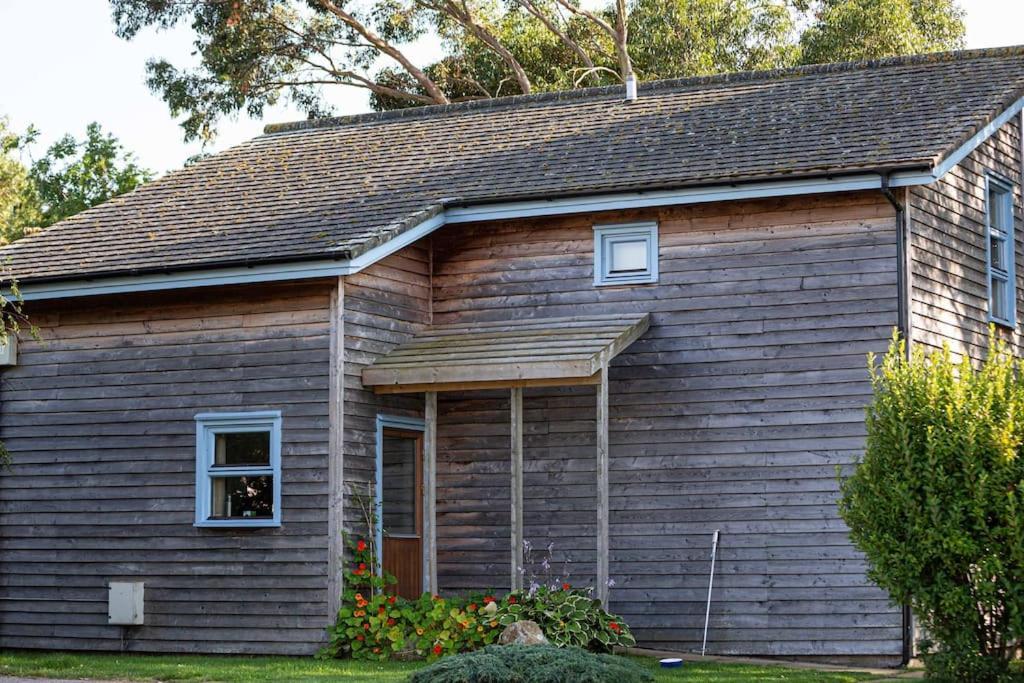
x,y
618,33
532,8
436,96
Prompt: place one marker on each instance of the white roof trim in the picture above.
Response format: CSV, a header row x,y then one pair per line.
x,y
504,211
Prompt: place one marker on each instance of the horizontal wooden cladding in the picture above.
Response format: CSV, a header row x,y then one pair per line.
x,y
948,250
384,306
99,418
732,413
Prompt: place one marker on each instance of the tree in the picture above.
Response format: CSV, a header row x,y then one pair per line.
x,y
937,503
19,205
70,177
255,52
869,29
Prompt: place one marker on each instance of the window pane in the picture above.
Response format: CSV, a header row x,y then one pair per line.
x,y
1000,208
628,256
997,249
249,497
234,449
398,488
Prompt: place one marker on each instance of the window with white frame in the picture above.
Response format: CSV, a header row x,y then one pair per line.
x,y
625,254
1002,285
238,469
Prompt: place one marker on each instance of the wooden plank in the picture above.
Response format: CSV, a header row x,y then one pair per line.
x,y
603,546
336,454
516,410
430,490
483,386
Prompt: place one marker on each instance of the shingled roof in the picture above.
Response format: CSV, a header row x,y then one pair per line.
x,y
336,188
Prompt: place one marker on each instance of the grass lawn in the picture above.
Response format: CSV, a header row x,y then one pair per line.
x,y
258,669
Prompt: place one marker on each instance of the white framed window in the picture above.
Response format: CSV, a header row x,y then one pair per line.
x,y
625,254
1002,281
238,469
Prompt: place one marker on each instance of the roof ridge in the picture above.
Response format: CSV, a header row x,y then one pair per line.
x,y
648,87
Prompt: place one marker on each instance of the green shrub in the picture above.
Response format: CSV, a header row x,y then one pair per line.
x,y
532,664
937,504
568,617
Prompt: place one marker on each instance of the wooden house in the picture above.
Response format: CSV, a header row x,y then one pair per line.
x,y
567,320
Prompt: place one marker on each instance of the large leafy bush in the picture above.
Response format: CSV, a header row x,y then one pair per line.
x,y
937,505
533,664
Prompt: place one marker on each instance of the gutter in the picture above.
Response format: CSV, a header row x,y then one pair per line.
x,y
904,293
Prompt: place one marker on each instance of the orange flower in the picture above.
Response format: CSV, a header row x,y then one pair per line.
x,y
359,613
566,586
472,607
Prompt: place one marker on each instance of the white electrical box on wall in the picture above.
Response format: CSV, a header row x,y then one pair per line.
x,y
9,350
125,603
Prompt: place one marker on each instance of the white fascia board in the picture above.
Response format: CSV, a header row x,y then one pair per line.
x,y
196,278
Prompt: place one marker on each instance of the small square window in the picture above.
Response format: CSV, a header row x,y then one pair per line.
x,y
238,469
626,254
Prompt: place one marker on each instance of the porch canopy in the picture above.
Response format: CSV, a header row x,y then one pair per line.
x,y
510,354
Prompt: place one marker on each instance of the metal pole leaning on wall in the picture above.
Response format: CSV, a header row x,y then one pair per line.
x,y
711,583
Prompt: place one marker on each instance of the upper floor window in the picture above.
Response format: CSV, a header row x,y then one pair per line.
x,y
625,254
1002,305
238,469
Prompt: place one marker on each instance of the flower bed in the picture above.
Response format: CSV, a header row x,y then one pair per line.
x,y
375,624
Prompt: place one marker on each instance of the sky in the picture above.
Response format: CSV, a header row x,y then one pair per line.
x,y
62,67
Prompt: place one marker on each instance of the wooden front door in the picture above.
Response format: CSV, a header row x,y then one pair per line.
x,y
402,509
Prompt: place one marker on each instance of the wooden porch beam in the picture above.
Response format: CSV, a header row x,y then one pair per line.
x,y
602,487
516,403
430,491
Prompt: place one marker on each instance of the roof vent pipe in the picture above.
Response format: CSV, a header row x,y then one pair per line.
x,y
631,87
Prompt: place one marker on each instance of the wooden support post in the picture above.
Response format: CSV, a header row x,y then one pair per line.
x,y
517,488
335,453
602,487
430,491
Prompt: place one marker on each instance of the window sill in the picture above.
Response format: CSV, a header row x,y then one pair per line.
x,y
239,524
1009,325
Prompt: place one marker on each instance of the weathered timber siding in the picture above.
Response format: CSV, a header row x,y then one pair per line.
x,y
99,418
731,413
383,306
949,280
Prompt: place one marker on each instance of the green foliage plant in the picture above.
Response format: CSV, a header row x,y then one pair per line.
x,y
569,617
375,624
533,664
937,504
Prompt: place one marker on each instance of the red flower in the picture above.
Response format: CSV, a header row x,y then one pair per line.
x,y
358,572
361,546
438,598
472,607
381,609
488,599
511,599
614,626
391,622
366,626
566,586
437,649
362,567
392,599
360,637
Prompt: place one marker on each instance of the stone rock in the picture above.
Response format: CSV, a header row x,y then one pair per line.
x,y
522,633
